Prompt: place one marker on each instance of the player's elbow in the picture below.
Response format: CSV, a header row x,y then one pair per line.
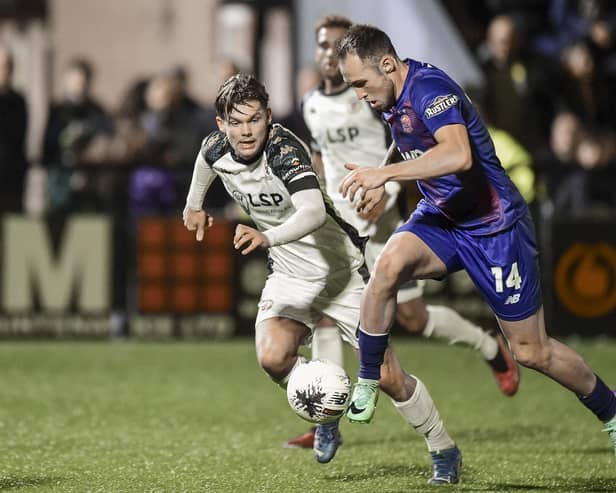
x,y
318,215
464,158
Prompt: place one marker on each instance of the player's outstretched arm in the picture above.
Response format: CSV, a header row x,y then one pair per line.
x,y
196,219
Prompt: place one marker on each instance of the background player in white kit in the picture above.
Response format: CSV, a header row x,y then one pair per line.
x,y
343,130
315,256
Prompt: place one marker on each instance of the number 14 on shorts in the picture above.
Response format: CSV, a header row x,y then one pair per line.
x,y
513,280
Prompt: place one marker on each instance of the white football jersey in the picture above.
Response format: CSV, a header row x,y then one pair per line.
x,y
263,188
345,130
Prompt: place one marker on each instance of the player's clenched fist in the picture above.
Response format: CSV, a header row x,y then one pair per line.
x,y
245,235
197,221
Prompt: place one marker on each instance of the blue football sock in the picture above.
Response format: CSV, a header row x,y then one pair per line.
x,y
601,401
371,353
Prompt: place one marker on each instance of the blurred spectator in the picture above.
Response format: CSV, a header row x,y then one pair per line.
x,y
473,16
174,125
185,99
585,89
125,145
576,166
570,21
13,124
72,124
518,91
225,69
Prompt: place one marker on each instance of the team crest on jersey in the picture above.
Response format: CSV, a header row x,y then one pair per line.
x,y
242,200
440,105
265,305
405,121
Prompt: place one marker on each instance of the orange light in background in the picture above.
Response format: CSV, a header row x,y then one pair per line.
x,y
185,298
178,274
152,298
152,233
217,265
181,237
185,266
151,265
217,298
220,236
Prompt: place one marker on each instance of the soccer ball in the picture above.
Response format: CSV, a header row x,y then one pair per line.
x,y
319,391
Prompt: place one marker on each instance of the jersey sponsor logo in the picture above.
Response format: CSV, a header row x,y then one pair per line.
x,y
410,155
341,135
440,105
405,121
513,299
256,200
264,199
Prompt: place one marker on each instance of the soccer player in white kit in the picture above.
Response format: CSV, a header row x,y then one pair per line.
x,y
315,257
344,130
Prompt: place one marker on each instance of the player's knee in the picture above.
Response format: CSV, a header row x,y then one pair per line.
x,y
535,356
387,271
275,361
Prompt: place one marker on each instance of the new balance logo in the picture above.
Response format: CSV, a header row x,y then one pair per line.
x,y
513,299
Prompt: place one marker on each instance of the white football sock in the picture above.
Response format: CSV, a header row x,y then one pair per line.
x,y
327,344
299,361
445,323
421,413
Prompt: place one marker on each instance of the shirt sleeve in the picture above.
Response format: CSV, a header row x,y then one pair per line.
x,y
438,102
309,215
290,161
202,178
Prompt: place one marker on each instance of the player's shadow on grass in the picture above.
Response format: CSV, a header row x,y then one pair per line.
x,y
505,433
376,439
380,471
572,485
15,482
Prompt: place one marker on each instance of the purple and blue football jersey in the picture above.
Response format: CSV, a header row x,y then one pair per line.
x,y
475,220
482,200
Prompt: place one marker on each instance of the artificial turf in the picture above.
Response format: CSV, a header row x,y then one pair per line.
x,y
202,417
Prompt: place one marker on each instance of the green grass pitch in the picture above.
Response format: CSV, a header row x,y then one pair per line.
x,y
202,417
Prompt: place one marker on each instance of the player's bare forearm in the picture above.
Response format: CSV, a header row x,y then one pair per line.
x,y
451,155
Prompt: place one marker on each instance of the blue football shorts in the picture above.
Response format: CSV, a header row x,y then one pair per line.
x,y
504,266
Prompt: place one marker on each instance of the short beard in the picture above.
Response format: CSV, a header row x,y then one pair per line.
x,y
391,93
337,79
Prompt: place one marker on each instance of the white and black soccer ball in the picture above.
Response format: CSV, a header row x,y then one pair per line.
x,y
319,391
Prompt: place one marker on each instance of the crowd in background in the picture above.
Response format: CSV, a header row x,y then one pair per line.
x,y
549,71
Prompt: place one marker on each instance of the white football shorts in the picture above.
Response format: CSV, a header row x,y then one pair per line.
x,y
308,301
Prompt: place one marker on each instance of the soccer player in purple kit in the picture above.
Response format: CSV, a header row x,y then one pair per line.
x,y
471,217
